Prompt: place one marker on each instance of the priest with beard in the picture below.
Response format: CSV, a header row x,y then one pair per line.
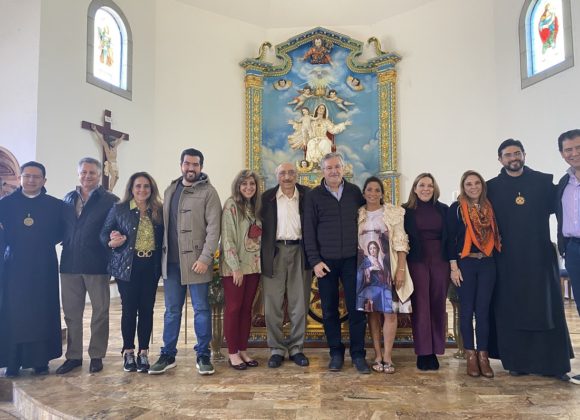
x,y
31,223
529,332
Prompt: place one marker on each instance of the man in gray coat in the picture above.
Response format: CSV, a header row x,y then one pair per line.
x,y
191,214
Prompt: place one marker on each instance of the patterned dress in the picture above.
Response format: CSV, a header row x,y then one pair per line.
x,y
375,291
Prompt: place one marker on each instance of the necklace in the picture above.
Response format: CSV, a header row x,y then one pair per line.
x,y
28,221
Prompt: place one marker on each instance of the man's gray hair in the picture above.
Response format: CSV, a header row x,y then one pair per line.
x,y
91,161
280,165
330,156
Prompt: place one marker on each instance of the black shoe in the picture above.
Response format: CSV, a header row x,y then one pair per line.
x,y
275,361
516,373
68,365
336,363
129,363
433,363
241,366
252,363
41,370
300,359
423,362
361,365
96,365
12,372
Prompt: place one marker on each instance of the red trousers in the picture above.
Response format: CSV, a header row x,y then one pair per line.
x,y
238,311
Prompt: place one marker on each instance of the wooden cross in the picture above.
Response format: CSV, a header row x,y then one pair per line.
x,y
109,140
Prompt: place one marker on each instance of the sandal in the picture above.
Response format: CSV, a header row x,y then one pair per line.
x,y
389,368
377,367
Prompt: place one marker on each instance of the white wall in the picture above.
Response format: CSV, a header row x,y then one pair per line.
x,y
459,89
446,92
200,90
460,96
19,44
65,98
538,114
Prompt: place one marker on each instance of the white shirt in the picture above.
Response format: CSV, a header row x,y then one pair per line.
x,y
288,216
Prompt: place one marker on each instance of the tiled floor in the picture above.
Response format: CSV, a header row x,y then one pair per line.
x,y
293,392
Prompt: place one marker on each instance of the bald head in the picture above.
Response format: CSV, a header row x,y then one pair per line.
x,y
286,175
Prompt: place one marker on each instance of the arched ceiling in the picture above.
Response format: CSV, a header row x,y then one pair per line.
x,y
299,13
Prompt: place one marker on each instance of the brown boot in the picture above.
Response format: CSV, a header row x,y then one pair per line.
x,y
486,369
472,365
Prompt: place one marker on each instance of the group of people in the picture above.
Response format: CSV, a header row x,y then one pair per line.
x,y
493,244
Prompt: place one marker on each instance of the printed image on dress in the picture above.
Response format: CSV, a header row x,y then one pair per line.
x,y
374,281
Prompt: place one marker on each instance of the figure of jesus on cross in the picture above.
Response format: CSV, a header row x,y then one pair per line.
x,y
109,140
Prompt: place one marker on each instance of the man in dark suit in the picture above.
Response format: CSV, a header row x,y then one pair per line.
x,y
284,266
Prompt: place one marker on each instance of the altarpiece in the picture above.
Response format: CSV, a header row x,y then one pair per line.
x,y
322,91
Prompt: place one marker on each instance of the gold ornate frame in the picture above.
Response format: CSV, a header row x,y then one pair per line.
x,y
383,65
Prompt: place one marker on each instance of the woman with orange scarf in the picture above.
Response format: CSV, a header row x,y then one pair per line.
x,y
473,238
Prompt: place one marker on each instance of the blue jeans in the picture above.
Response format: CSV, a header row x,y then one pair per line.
x,y
174,298
573,268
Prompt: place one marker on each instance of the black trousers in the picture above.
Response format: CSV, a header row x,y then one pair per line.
x,y
137,301
475,298
343,271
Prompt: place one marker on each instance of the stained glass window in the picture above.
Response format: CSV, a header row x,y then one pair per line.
x,y
109,48
545,38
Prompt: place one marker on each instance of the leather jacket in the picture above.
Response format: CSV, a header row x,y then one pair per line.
x,y
126,220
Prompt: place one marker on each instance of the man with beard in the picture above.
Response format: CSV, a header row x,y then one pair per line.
x,y
192,217
31,221
531,335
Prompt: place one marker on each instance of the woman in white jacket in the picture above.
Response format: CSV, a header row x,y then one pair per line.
x,y
383,285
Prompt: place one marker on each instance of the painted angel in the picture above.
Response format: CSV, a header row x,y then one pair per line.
x,y
305,94
341,103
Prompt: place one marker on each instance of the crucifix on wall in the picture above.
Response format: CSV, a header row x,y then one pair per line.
x,y
109,140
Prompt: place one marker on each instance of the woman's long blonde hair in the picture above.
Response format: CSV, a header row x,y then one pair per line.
x,y
412,201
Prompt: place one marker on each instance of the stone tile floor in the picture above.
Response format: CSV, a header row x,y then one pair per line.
x,y
290,392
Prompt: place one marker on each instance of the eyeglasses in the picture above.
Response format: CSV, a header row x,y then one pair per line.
x,y
34,177
284,173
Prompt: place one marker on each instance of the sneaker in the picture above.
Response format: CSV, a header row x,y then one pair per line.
x,y
575,380
129,365
165,362
142,363
204,366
